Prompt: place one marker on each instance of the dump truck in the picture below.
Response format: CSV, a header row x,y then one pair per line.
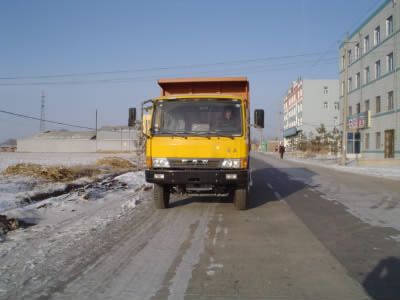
x,y
198,139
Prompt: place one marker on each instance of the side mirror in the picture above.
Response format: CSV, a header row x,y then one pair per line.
x,y
132,117
259,118
146,113
146,125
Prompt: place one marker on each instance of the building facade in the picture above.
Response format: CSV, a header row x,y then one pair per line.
x,y
370,85
307,105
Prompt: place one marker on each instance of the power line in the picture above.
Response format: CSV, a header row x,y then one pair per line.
x,y
251,69
162,68
42,120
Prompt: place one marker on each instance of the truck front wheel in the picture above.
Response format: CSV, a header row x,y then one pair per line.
x,y
240,198
161,196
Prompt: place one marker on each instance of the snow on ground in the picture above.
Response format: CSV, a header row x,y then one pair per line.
x,y
62,224
391,172
44,203
124,189
16,191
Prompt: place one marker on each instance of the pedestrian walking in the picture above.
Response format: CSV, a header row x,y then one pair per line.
x,y
281,150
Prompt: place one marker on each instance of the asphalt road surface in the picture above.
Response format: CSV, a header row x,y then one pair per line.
x,y
292,243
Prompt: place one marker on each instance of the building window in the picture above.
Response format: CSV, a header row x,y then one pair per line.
x,y
349,58
390,100
378,140
366,44
389,61
358,80
325,90
325,105
349,84
389,26
377,35
343,62
366,104
377,69
342,89
378,104
358,106
367,75
366,140
353,142
350,110
336,105
357,51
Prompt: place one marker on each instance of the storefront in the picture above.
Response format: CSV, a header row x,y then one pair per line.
x,y
355,124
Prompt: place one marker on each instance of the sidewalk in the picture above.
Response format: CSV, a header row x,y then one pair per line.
x,y
391,171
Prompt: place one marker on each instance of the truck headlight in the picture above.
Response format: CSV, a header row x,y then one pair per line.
x,y
160,163
231,164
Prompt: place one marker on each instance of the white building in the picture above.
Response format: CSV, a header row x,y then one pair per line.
x,y
369,75
307,105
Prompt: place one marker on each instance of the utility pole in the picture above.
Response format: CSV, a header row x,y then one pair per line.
x,y
345,102
96,131
42,113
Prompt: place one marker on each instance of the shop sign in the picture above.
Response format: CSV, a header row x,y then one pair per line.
x,y
359,121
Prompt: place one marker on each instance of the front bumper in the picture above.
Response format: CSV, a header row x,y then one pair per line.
x,y
210,177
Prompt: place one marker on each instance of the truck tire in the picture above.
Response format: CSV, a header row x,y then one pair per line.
x,y
240,198
161,196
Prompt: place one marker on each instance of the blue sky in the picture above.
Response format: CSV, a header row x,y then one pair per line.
x,y
249,38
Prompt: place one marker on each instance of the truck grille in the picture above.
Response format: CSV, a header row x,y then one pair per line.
x,y
194,163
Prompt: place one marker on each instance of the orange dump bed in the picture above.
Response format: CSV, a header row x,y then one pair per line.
x,y
235,86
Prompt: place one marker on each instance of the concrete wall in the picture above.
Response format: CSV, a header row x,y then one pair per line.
x,y
117,139
55,145
108,140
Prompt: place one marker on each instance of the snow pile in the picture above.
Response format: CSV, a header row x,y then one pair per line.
x,y
134,179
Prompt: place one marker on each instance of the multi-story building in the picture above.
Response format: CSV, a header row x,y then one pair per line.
x,y
370,85
307,105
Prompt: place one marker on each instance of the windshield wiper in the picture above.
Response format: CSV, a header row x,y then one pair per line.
x,y
173,133
220,134
206,134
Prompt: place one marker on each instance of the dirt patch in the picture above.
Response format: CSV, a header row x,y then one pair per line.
x,y
52,173
116,163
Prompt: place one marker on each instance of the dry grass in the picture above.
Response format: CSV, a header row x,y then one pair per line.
x,y
57,173
115,163
51,173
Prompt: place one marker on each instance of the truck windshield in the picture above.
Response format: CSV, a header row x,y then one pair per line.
x,y
210,117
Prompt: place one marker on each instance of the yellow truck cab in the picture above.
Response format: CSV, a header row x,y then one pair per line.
x,y
198,142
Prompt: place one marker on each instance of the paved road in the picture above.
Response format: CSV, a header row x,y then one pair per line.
x,y
354,216
292,243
